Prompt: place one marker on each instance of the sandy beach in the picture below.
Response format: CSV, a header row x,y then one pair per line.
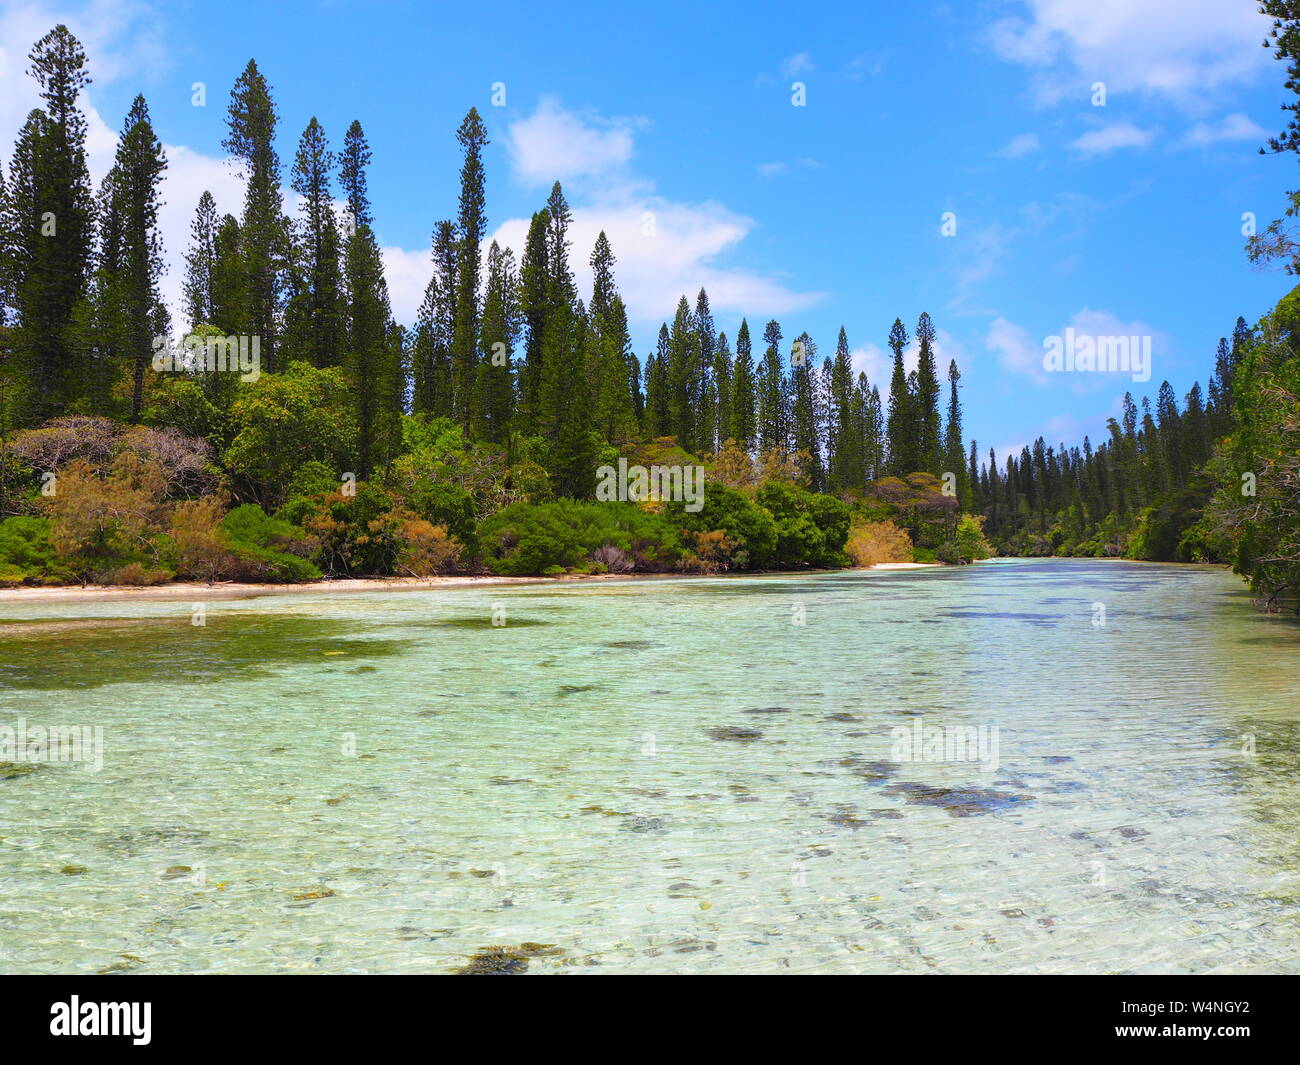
x,y
244,590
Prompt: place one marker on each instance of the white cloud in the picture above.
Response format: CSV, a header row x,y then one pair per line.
x,y
782,166
876,363
799,63
1178,49
1235,127
554,144
407,274
1016,350
674,256
1020,145
1021,354
1106,139
665,248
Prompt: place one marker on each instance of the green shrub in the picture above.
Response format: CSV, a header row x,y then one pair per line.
x,y
749,528
525,539
811,527
268,543
26,555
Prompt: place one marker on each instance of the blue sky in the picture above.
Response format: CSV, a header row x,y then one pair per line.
x,y
1117,219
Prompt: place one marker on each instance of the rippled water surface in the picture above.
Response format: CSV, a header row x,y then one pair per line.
x,y
663,775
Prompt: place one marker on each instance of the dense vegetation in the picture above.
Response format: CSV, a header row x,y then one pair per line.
x,y
470,440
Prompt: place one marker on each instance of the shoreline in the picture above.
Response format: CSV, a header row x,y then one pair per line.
x,y
73,593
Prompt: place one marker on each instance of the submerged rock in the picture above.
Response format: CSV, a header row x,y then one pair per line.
x,y
506,961
959,802
735,733
320,893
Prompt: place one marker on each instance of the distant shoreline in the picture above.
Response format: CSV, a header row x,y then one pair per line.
x,y
73,593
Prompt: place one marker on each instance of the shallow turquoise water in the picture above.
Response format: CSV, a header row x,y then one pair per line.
x,y
664,775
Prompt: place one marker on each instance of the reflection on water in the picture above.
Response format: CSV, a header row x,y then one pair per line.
x,y
666,775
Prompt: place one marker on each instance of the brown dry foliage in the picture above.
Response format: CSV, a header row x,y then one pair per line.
x,y
873,542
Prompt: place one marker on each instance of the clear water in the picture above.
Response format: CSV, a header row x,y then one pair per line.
x,y
596,756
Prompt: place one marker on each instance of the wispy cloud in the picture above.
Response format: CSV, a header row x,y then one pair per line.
x,y
1021,144
799,63
783,166
1234,127
1110,138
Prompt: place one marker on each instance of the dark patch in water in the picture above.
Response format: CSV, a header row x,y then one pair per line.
x,y
1057,759
846,817
874,772
843,717
768,710
506,961
477,623
959,802
1003,615
645,824
735,733
633,645
573,689
155,651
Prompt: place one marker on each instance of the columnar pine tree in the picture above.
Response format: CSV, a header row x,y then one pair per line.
x,y
499,334
706,343
683,377
845,430
928,424
263,230
658,419
50,227
742,425
900,424
722,390
534,301
773,394
201,263
314,317
611,395
133,180
953,447
372,354
803,414
875,447
471,225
